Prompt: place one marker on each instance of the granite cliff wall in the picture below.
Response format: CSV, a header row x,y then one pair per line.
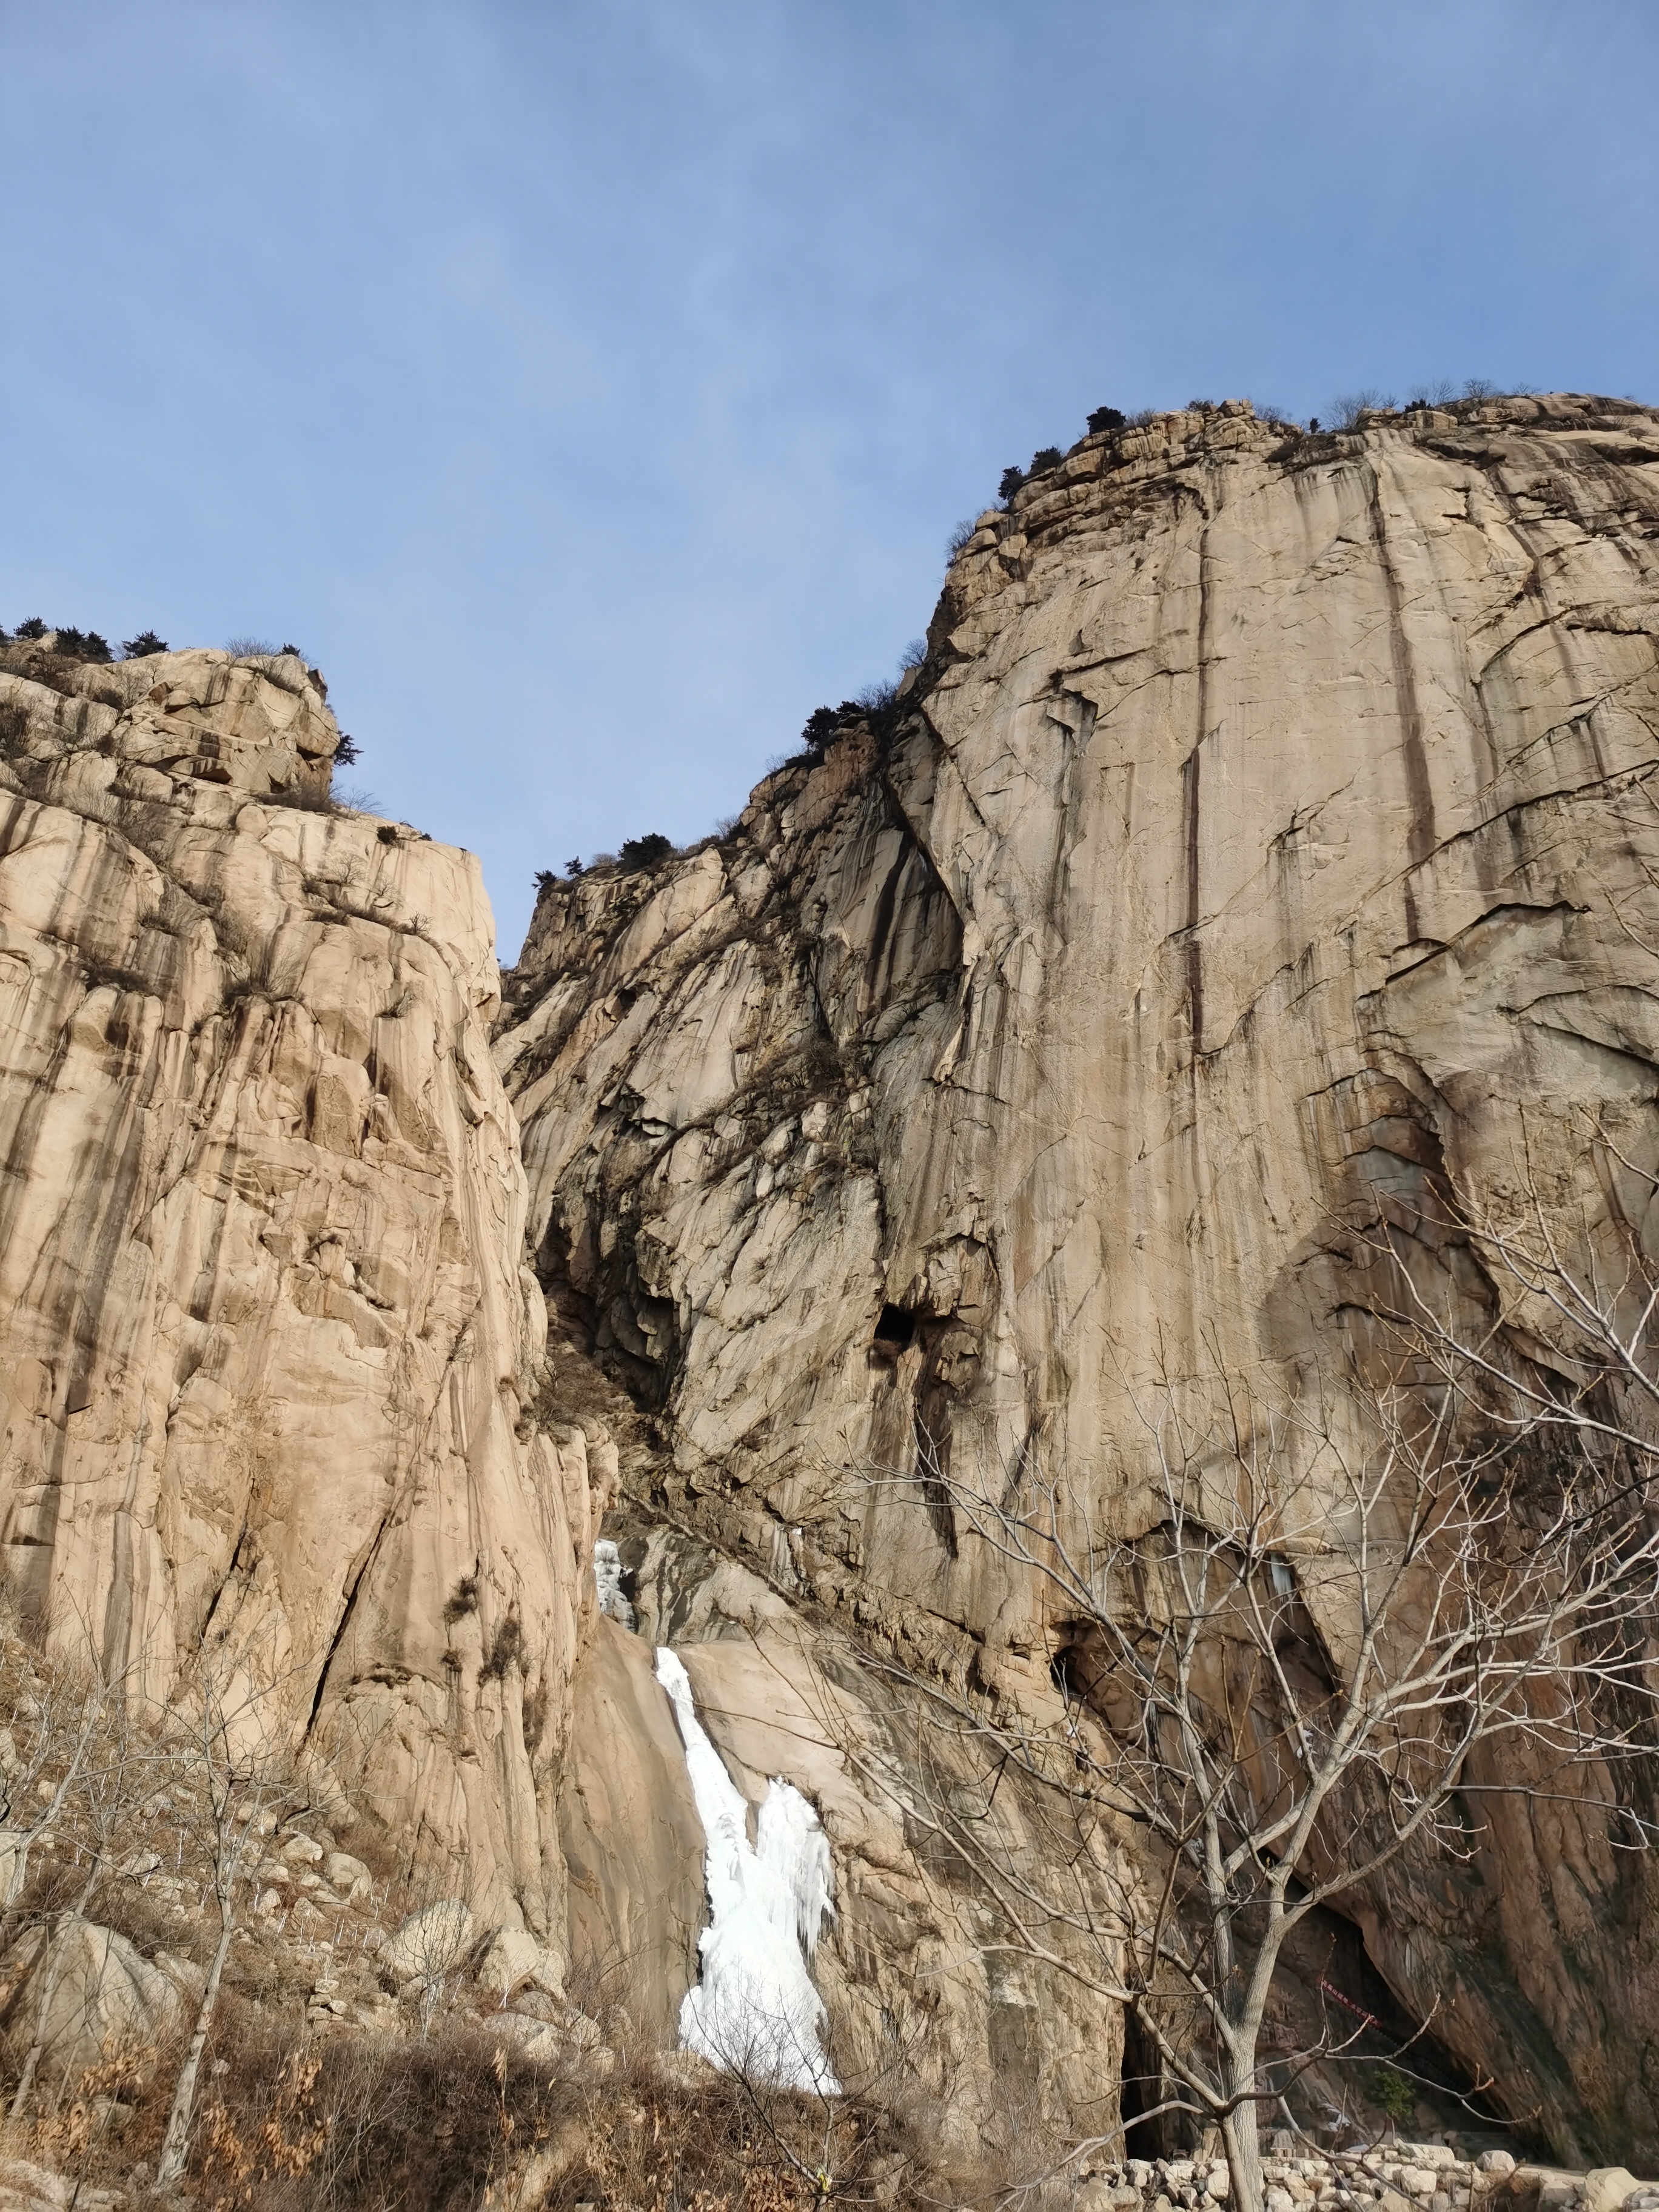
x,y
1269,831
266,1336
1266,835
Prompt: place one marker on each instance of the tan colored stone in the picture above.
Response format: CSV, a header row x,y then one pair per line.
x,y
1606,2187
514,1956
86,1992
632,1843
429,1943
265,1336
349,1875
25,2186
1271,833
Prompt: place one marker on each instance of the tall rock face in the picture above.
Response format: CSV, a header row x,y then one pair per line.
x,y
1269,829
267,1342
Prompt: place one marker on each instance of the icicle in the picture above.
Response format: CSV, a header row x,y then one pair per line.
x,y
755,2010
789,1841
608,1574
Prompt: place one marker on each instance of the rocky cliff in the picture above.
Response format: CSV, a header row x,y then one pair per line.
x,y
266,1336
1265,845
1268,831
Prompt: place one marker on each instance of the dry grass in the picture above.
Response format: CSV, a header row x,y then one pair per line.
x,y
355,2122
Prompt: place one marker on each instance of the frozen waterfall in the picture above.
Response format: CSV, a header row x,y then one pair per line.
x,y
607,1577
756,2008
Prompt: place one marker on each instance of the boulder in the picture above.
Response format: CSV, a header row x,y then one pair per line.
x,y
349,1876
26,2187
430,1943
515,1956
99,1994
1608,2189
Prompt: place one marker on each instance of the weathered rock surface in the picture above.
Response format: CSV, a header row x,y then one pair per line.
x,y
81,1992
632,1843
1270,827
1267,831
267,1342
910,1967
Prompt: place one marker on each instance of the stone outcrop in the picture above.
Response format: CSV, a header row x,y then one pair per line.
x,y
79,1991
1265,844
267,1343
632,1843
1269,832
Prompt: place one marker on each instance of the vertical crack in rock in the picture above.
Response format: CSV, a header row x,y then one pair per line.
x,y
1419,790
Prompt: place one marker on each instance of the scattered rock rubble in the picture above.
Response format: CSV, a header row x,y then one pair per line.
x,y
321,1911
1393,2176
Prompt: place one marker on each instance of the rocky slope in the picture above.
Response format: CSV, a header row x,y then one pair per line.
x,y
1269,831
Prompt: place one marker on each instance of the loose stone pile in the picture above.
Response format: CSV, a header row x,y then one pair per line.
x,y
1394,2177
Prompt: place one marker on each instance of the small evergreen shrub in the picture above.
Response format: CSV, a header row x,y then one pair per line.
x,y
83,645
1044,458
141,647
638,853
1107,418
32,627
876,705
1010,482
1392,2091
347,752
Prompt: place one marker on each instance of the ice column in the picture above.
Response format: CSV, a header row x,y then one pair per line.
x,y
607,1575
755,2010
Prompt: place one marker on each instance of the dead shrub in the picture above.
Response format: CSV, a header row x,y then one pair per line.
x,y
305,797
93,2132
295,2124
353,2121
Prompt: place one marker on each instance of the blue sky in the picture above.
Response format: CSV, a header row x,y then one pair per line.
x,y
590,386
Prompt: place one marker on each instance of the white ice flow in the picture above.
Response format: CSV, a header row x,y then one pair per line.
x,y
756,2009
607,1575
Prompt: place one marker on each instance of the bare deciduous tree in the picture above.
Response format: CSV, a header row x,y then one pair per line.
x,y
229,1751
110,1766
1273,1688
